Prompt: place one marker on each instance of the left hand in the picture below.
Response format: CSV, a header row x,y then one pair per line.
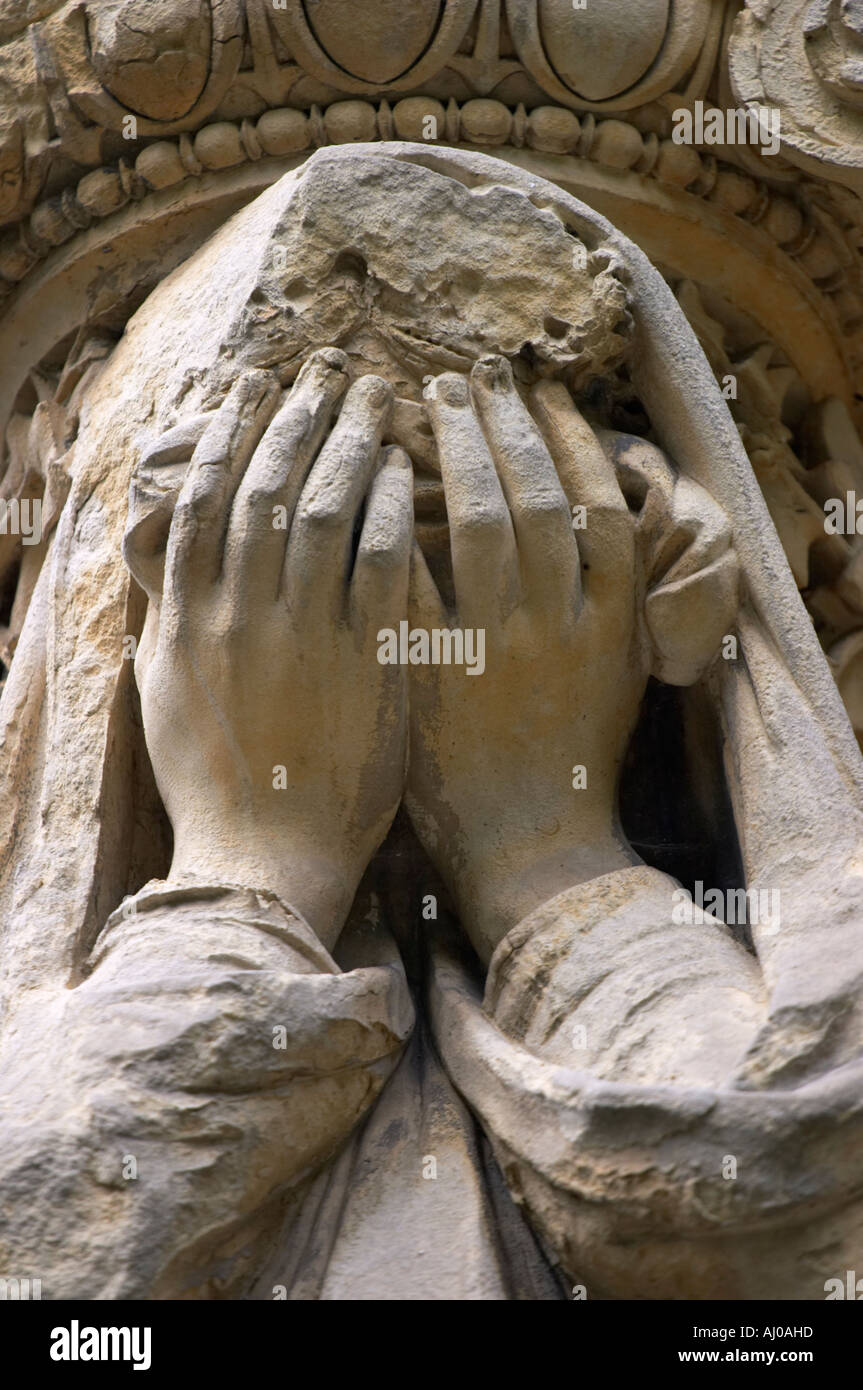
x,y
490,781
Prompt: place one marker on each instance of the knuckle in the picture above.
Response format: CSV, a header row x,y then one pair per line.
x,y
186,518
549,505
482,517
614,519
228,626
288,430
203,493
321,514
213,451
381,552
260,496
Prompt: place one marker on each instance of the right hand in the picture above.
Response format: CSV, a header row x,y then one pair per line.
x,y
264,650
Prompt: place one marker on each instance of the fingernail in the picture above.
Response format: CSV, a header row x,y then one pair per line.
x,y
327,366
331,359
253,389
258,379
393,456
493,372
450,388
376,391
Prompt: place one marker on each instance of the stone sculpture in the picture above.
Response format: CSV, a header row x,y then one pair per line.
x,y
408,625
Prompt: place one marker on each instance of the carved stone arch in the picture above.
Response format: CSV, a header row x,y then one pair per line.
x,y
586,47
404,46
105,105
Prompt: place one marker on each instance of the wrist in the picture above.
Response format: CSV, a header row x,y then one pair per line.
x,y
318,888
499,890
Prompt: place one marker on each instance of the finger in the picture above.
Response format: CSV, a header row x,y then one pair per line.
x,y
606,540
379,585
426,608
156,483
426,612
482,540
177,444
198,526
547,551
266,498
318,557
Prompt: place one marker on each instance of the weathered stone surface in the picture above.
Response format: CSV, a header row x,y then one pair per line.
x,y
409,627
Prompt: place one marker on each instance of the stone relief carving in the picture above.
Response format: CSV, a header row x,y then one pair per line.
x,y
804,55
431,455
610,57
250,1023
821,247
773,411
75,72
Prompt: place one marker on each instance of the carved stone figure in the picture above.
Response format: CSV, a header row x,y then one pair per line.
x,y
277,1067
413,629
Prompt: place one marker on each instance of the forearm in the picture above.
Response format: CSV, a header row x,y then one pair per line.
x,y
222,1056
